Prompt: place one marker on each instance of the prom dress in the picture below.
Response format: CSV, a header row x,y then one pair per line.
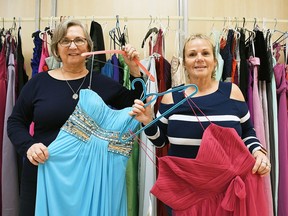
x,y
85,172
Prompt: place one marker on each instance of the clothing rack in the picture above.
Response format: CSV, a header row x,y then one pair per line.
x,y
238,19
125,18
183,19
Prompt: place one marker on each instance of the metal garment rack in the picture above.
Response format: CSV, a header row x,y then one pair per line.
x,y
182,17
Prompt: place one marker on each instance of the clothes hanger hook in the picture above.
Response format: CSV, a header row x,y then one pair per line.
x,y
236,21
255,22
168,25
275,24
244,20
225,20
142,83
51,22
150,21
117,21
213,24
19,21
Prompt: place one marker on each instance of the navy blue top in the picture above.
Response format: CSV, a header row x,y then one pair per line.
x,y
182,129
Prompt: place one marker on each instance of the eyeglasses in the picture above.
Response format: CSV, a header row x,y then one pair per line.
x,y
78,41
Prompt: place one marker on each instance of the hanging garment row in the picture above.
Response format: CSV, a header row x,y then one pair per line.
x,y
248,58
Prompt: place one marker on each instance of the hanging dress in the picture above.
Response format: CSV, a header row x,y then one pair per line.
x,y
22,76
258,120
147,170
96,34
35,61
272,111
225,51
244,69
163,70
220,61
282,89
3,92
44,54
85,172
10,185
218,182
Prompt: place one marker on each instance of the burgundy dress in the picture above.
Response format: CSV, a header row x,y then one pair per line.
x,y
3,92
218,182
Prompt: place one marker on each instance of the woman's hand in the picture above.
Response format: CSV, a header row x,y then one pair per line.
x,y
141,113
131,54
262,165
37,153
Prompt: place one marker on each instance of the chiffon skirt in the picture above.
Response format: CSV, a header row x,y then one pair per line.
x,y
85,173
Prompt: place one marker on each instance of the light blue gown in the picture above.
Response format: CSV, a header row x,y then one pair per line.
x,y
85,173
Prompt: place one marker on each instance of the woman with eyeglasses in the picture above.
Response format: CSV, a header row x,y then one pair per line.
x,y
49,98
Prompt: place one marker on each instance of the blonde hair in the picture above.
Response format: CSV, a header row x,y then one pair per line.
x,y
203,37
60,32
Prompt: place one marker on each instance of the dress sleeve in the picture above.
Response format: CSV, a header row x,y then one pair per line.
x,y
157,132
248,132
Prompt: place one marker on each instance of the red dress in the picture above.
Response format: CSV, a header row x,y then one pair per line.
x,y
218,182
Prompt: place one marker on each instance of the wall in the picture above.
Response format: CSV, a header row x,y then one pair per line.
x,y
206,10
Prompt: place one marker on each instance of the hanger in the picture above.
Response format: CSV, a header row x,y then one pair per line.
x,y
166,30
12,30
124,38
283,34
152,30
251,35
116,35
154,97
2,30
255,25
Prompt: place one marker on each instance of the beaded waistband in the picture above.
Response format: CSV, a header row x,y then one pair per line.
x,y
83,126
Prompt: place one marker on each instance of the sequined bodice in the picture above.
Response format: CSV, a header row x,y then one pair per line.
x,y
82,126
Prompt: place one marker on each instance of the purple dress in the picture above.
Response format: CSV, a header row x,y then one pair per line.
x,y
281,85
258,120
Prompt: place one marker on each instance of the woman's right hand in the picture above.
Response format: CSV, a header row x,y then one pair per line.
x,y
141,113
37,153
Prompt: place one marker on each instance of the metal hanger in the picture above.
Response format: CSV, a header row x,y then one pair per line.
x,y
154,97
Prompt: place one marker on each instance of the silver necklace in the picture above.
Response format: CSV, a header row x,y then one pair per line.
x,y
75,94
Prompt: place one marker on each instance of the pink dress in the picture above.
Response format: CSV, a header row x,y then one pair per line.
x,y
282,112
44,54
218,182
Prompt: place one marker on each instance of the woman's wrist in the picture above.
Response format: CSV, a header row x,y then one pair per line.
x,y
147,122
135,71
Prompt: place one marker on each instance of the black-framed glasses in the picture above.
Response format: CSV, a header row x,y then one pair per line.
x,y
78,41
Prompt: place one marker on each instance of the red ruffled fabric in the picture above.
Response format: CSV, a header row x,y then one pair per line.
x,y
219,181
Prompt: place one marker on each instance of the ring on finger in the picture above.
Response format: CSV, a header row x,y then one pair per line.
x,y
264,162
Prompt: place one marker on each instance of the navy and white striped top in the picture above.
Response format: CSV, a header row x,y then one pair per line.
x,y
182,129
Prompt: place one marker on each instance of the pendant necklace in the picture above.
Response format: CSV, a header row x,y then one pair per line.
x,y
75,94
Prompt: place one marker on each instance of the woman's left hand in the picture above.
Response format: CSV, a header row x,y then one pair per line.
x,y
262,164
131,53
